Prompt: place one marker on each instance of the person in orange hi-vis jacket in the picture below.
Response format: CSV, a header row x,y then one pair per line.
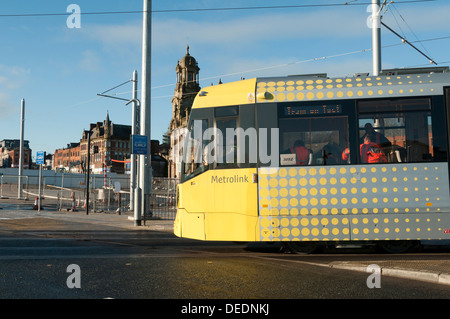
x,y
370,152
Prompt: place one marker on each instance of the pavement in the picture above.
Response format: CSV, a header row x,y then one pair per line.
x,y
433,267
435,271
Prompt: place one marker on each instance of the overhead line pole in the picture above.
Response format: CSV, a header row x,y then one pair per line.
x,y
88,170
135,191
134,130
376,37
22,121
145,164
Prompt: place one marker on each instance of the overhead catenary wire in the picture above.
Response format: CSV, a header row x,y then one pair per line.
x,y
403,38
348,3
287,64
406,41
112,96
410,29
258,69
248,71
116,86
218,9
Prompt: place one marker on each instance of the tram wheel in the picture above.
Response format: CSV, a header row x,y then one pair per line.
x,y
396,246
302,247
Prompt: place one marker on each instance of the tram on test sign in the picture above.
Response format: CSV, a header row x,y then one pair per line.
x,y
312,161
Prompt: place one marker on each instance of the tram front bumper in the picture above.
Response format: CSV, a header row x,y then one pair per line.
x,y
216,226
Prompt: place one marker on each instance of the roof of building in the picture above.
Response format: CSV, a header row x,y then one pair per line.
x,y
188,60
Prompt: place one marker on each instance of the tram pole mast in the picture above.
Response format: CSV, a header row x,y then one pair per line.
x,y
21,151
145,166
88,167
134,130
376,37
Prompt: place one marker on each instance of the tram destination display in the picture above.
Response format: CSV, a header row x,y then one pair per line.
x,y
298,110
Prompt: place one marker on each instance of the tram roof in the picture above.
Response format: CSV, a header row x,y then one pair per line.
x,y
319,87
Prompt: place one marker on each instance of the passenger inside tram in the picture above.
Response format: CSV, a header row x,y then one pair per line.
x,y
302,154
370,152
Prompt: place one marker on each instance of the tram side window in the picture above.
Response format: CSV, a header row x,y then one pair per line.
x,y
401,129
194,158
227,144
223,150
313,140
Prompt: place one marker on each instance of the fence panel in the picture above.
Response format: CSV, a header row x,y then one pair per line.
x,y
163,198
9,186
67,192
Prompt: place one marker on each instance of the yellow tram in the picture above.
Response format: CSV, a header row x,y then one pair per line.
x,y
243,178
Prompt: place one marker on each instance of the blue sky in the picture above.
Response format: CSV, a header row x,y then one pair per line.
x,y
59,71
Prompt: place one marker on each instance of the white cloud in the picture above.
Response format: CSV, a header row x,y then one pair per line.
x,y
268,27
337,23
115,35
6,107
90,61
311,34
12,78
250,68
167,33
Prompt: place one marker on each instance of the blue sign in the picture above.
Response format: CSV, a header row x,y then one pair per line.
x,y
140,145
40,157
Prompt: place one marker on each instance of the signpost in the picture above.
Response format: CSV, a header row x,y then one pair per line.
x,y
140,145
40,158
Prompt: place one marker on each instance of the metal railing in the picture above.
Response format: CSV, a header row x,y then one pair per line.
x,y
9,186
67,192
163,198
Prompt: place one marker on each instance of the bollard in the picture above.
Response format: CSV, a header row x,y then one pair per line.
x,y
74,206
35,204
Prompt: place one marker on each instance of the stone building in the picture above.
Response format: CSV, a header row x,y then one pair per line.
x,y
109,152
10,153
68,159
110,146
186,89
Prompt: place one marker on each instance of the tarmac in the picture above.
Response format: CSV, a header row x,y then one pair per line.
x,y
433,267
